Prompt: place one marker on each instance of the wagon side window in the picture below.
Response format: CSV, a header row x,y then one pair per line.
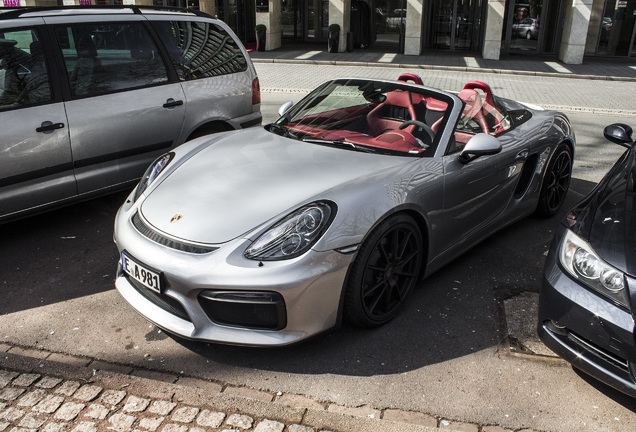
x,y
200,49
108,57
24,77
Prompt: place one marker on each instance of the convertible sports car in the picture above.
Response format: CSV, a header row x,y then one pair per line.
x,y
271,235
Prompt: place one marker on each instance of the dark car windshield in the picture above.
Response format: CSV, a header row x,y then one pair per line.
x,y
388,117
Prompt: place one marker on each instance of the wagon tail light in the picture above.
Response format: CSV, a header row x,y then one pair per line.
x,y
256,92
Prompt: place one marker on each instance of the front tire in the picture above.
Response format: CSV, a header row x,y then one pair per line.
x,y
384,272
556,182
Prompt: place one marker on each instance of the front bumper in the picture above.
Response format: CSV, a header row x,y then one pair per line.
x,y
584,328
301,295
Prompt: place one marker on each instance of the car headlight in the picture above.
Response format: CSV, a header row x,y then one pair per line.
x,y
152,173
294,234
580,260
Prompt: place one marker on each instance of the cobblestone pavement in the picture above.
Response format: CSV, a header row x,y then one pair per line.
x,y
31,401
56,393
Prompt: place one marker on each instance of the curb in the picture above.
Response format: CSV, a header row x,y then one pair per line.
x,y
298,413
446,68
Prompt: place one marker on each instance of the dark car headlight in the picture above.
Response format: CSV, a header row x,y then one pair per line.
x,y
581,262
152,173
294,234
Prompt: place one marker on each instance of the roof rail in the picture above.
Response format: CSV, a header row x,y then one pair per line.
x,y
17,12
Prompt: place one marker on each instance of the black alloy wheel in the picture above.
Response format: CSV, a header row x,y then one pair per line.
x,y
556,182
384,272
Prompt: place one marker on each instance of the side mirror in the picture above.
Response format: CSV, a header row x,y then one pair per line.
x,y
284,108
620,134
480,145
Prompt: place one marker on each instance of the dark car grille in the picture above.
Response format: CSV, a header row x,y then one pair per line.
x,y
599,352
151,234
165,302
257,310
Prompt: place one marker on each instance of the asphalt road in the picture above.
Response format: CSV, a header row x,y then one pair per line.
x,y
438,357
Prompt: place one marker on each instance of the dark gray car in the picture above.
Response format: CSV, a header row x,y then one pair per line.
x,y
586,307
90,96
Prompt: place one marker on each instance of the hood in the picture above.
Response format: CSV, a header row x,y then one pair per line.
x,y
610,216
247,178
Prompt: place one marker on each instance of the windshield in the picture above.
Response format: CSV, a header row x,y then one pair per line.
x,y
387,117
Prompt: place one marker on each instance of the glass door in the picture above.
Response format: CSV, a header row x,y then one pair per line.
x,y
389,18
616,36
456,25
533,26
306,20
292,19
239,15
467,25
524,23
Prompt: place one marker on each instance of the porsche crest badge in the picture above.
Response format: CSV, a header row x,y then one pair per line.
x,y
176,218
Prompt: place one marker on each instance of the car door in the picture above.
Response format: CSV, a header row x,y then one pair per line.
x,y
123,107
35,154
476,193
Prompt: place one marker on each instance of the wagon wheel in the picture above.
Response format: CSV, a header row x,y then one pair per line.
x,y
555,182
528,35
384,272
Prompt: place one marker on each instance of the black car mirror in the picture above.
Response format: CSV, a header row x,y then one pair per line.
x,y
480,145
619,133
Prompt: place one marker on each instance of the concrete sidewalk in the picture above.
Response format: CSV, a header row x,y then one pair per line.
x,y
594,68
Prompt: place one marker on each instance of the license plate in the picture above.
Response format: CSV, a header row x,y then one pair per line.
x,y
142,274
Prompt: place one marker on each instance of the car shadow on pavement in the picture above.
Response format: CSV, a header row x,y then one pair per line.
x,y
69,254
619,397
59,255
453,313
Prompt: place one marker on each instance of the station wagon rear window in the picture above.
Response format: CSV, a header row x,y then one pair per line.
x,y
200,49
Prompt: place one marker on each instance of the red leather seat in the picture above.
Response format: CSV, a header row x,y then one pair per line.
x,y
380,119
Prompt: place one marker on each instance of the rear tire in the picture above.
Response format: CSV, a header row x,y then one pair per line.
x,y
384,272
556,182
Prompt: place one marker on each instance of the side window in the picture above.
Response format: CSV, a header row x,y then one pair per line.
x,y
200,49
24,79
102,58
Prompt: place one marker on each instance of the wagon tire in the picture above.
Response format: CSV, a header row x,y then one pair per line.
x,y
556,182
384,272
528,35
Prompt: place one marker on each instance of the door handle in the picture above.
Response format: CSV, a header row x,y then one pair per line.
x,y
522,155
49,126
171,103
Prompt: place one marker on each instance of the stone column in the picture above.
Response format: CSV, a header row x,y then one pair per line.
x,y
413,31
577,21
491,47
272,21
340,13
208,6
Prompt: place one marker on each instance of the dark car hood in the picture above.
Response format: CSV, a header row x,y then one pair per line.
x,y
608,219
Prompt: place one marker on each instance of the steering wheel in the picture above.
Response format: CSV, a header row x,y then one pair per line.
x,y
420,125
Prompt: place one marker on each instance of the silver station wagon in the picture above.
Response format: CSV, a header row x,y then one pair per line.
x,y
89,97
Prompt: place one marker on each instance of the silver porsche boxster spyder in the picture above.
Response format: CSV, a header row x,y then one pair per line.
x,y
267,236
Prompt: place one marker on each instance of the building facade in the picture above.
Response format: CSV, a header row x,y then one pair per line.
x,y
569,29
